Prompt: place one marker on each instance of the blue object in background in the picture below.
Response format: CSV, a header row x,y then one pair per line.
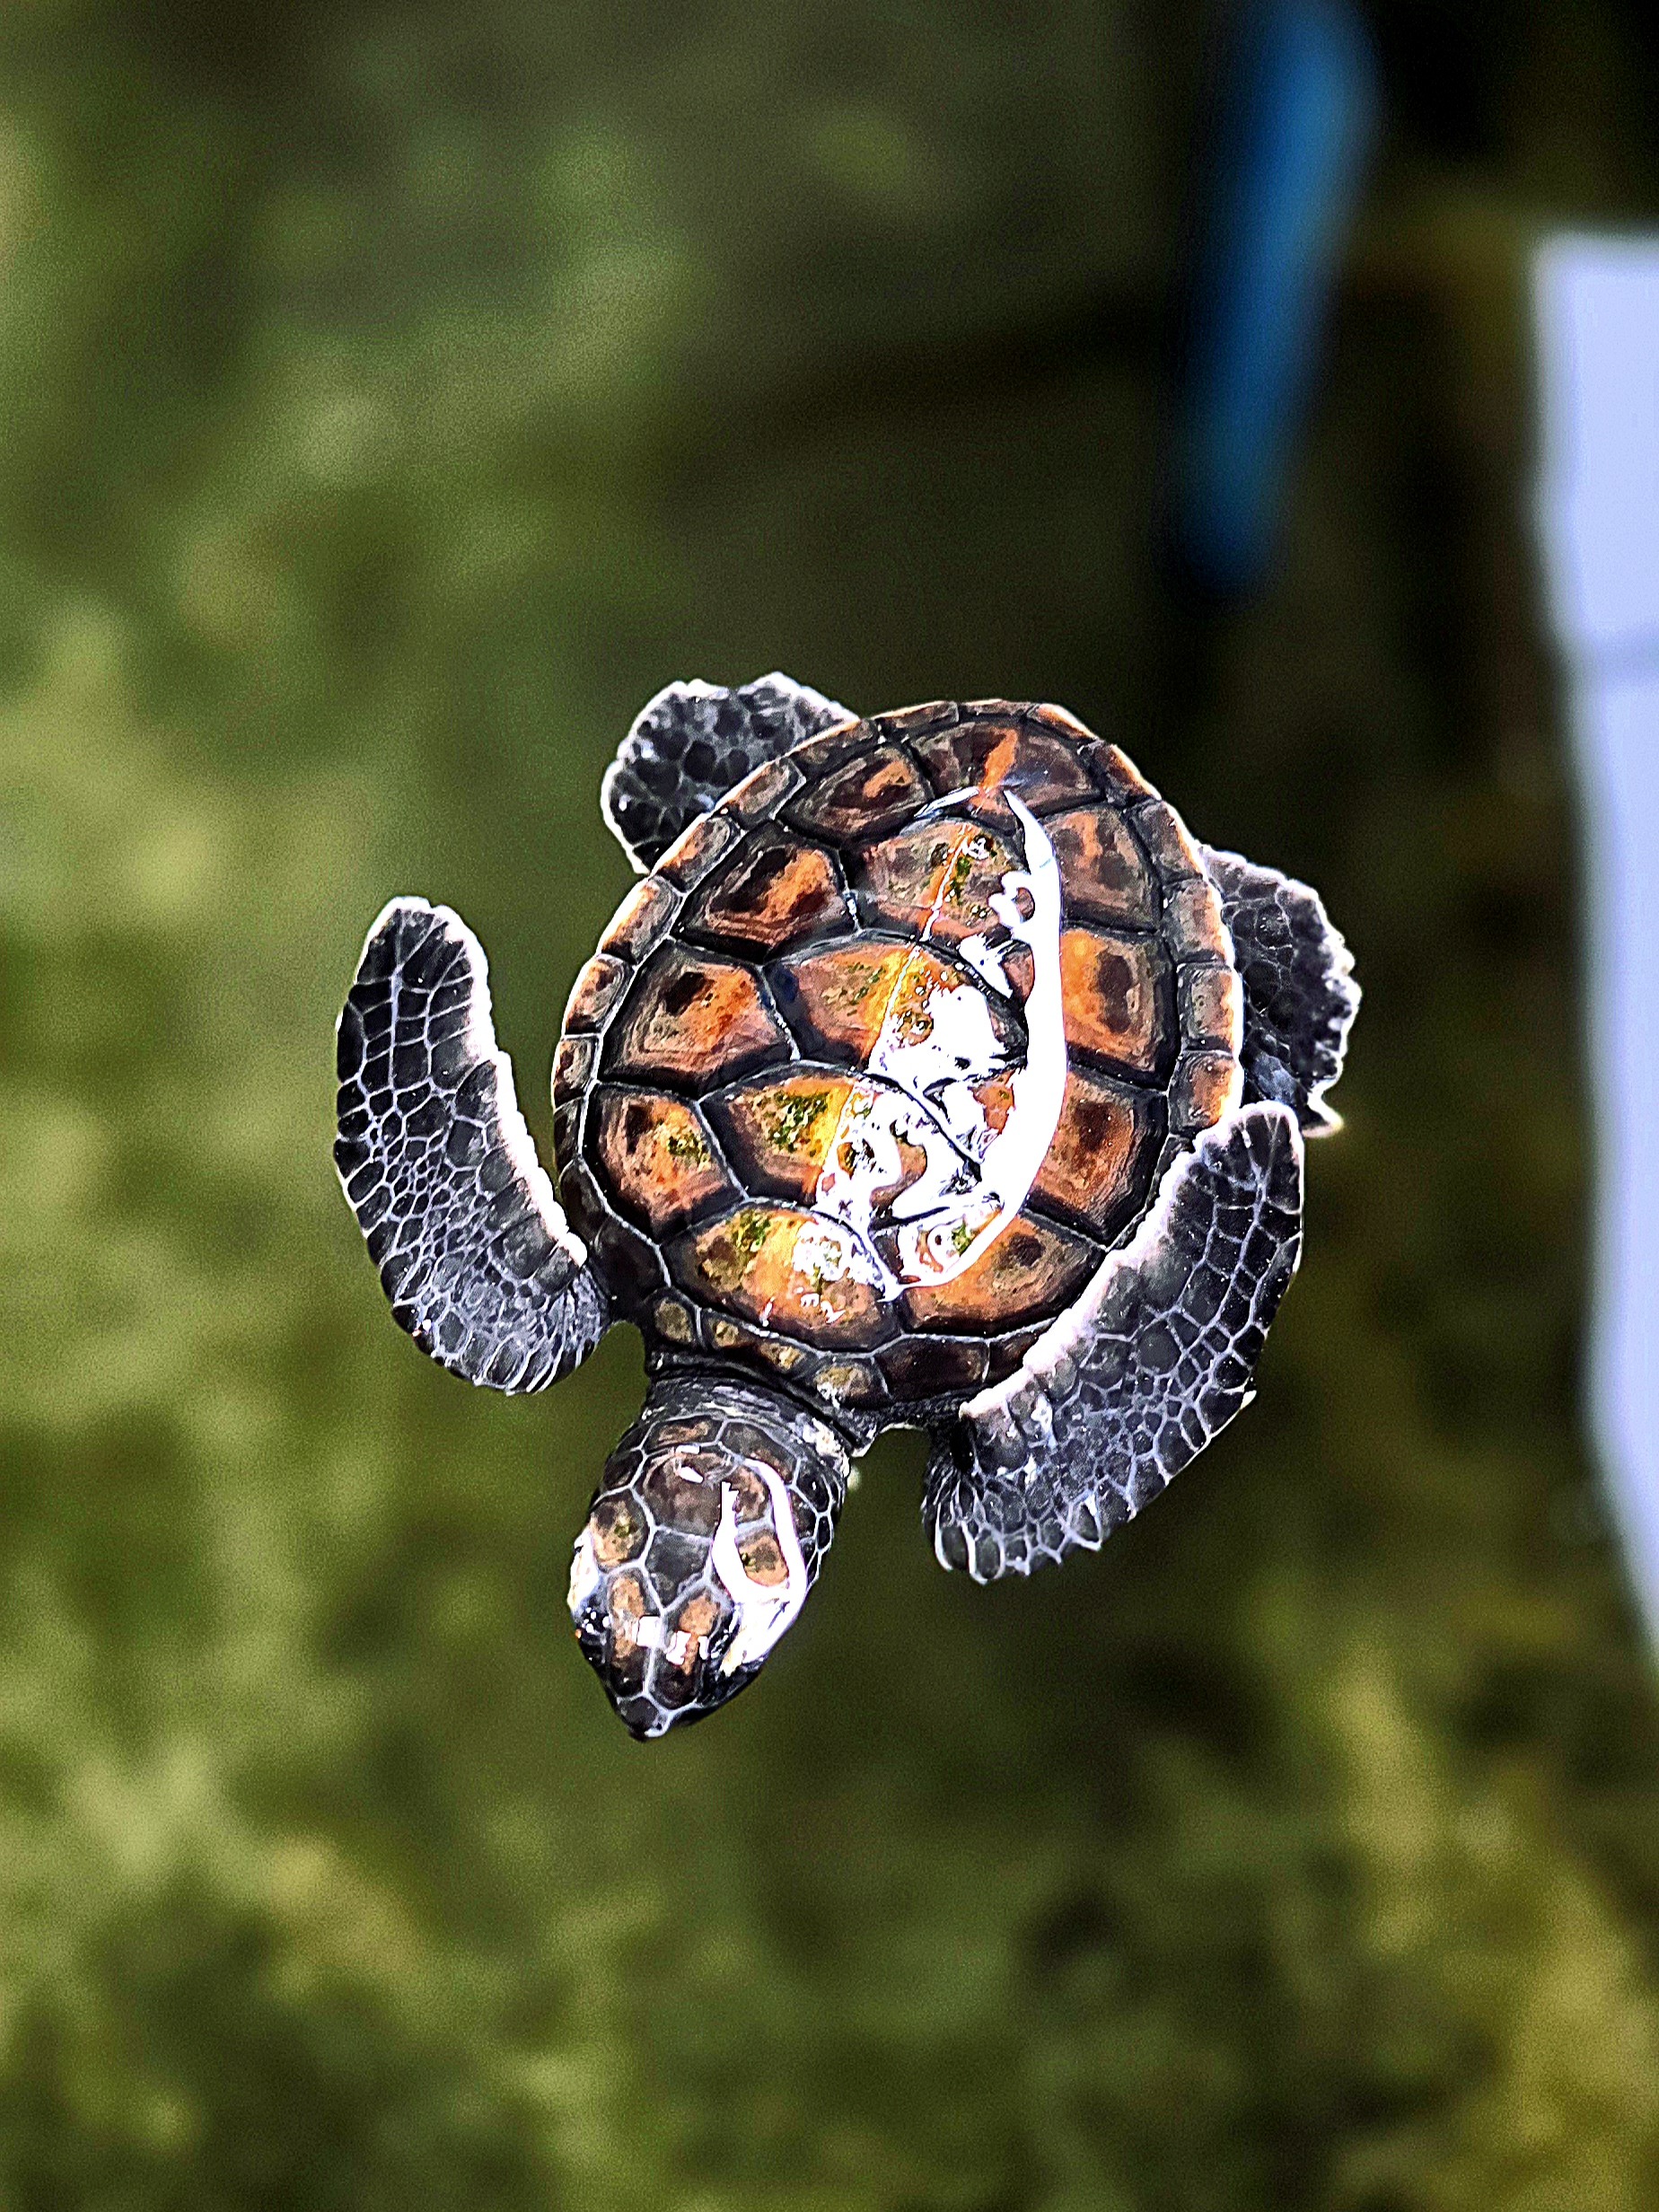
x,y
1597,301
1296,120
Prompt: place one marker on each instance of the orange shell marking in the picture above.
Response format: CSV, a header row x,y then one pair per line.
x,y
784,1134
695,1018
1111,998
849,999
795,1271
657,1159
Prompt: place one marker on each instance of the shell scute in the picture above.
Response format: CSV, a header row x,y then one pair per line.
x,y
1193,925
699,849
1114,1007
851,1382
1119,774
630,1260
656,1157
818,755
1168,840
1107,875
1005,1354
763,790
935,879
871,795
1064,724
999,753
924,1367
641,920
1034,1267
786,1269
694,1017
594,993
905,723
1099,1167
1212,1007
573,1069
783,1135
848,1001
774,891
1206,1088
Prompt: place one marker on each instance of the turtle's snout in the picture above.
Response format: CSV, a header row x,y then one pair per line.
x,y
652,1610
699,1549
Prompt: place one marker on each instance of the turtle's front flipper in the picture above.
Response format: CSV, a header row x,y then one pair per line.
x,y
1132,1382
691,743
1300,995
479,1262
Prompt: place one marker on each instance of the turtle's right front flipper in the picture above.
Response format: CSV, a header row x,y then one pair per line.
x,y
473,1251
1127,1387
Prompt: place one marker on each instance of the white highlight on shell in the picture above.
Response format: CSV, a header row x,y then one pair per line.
x,y
975,1180
764,1610
824,1256
584,1574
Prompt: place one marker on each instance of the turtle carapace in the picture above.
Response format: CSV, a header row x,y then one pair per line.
x,y
932,1075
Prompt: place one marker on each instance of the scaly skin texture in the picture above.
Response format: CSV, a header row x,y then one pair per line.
x,y
473,1251
1130,1387
713,1519
691,743
1300,995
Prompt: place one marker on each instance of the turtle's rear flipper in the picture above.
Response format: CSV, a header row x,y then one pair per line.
x,y
1300,995
1130,1383
691,743
479,1262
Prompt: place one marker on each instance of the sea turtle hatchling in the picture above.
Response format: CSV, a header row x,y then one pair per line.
x,y
933,1075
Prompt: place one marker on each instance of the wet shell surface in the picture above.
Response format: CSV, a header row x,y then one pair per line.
x,y
891,1050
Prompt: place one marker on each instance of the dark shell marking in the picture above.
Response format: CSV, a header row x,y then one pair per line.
x,y
691,1018
659,1163
737,1089
774,891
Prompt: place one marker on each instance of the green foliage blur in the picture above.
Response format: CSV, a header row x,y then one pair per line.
x,y
393,395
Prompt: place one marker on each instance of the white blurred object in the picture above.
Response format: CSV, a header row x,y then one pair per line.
x,y
1597,301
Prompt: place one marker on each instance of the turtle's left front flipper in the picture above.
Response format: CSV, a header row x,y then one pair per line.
x,y
473,1251
1300,995
1132,1382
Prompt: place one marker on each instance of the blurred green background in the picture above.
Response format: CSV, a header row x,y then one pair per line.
x,y
392,395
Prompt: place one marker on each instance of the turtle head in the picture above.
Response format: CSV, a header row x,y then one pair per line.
x,y
702,1541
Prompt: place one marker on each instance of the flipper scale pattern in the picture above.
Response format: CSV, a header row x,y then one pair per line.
x,y
474,1253
1300,995
1130,1384
691,743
